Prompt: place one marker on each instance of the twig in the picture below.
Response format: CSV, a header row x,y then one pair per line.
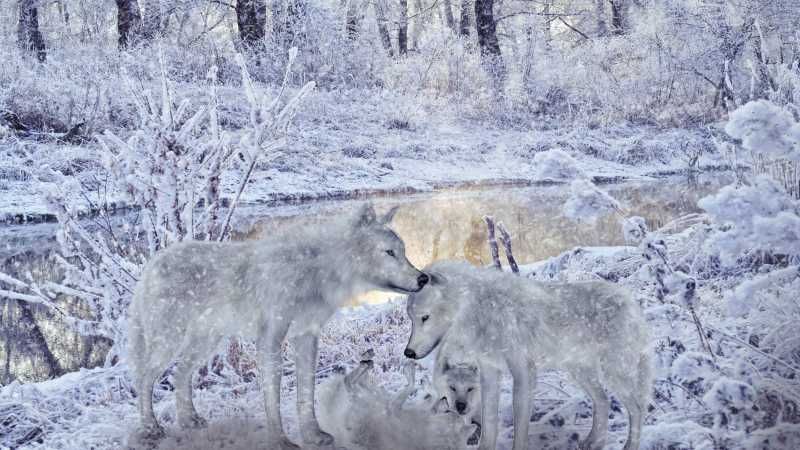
x,y
493,242
505,238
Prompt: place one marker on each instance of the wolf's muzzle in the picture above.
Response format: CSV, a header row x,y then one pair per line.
x,y
410,353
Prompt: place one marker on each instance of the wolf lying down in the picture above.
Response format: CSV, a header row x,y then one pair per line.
x,y
592,330
363,416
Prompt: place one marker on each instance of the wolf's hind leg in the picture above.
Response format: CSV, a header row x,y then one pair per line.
x,y
600,405
184,369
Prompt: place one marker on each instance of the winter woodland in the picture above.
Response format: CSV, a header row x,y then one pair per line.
x,y
653,144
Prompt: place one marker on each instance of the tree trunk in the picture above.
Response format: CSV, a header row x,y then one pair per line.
x,y
487,37
418,25
465,18
352,11
129,20
600,13
617,16
295,21
383,29
151,19
251,17
448,15
28,35
402,31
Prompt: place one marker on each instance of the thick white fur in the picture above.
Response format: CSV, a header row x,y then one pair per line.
x,y
592,330
363,416
192,294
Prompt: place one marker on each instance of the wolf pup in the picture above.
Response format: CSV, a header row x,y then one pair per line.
x,y
457,381
194,293
364,416
592,330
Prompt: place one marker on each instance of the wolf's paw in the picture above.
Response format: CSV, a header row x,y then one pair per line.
x,y
193,421
317,437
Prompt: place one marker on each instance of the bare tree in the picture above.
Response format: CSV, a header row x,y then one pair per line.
x,y
380,16
28,35
600,15
151,18
129,20
251,17
618,9
487,37
448,15
402,30
464,23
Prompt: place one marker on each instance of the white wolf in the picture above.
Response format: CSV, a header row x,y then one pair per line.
x,y
592,330
192,294
456,379
363,416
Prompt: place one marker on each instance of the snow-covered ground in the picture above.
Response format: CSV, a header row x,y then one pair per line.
x,y
341,148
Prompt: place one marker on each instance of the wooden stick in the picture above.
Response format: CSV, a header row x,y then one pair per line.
x,y
493,242
505,238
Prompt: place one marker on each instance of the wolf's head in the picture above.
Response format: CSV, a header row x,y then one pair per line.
x,y
381,254
431,317
463,383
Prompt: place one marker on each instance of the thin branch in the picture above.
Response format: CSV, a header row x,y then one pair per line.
x,y
493,242
505,239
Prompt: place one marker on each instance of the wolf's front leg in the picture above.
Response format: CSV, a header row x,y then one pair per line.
x,y
522,401
490,402
269,348
306,367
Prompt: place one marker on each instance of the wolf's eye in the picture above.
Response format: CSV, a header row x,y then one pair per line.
x,y
390,253
453,388
425,318
469,389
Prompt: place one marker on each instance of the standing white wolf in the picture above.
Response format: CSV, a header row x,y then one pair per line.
x,y
592,330
192,294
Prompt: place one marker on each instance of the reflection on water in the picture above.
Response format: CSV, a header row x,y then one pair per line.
x,y
450,225
446,225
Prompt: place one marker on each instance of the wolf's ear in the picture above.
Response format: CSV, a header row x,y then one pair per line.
x,y
387,218
441,406
366,215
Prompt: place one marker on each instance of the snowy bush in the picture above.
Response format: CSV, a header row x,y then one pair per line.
x,y
588,203
170,175
556,164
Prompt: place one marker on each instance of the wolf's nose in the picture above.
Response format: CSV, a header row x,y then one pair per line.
x,y
461,407
422,280
410,354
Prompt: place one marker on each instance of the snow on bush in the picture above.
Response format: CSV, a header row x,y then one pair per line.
x,y
750,218
168,172
766,128
556,165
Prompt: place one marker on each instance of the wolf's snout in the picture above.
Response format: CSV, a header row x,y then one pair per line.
x,y
410,353
461,407
422,280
